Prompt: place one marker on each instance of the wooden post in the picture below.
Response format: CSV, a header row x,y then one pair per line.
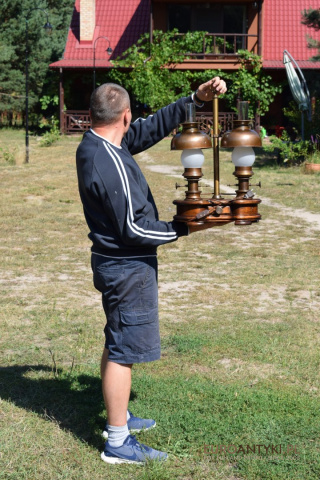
x,y
61,103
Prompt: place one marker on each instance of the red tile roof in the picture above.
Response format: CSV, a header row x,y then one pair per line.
x,y
303,64
283,30
122,22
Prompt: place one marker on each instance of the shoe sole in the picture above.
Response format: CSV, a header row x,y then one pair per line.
x,y
117,460
132,430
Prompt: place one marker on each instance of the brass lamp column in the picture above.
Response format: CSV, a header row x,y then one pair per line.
x,y
219,212
216,160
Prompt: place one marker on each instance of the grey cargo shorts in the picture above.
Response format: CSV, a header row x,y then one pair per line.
x,y
129,289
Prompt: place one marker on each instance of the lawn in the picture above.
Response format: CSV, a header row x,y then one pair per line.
x,y
236,393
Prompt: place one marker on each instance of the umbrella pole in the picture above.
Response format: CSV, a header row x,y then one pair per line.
x,y
302,126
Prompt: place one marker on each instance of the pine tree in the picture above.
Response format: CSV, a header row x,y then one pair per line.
x,y
311,18
43,49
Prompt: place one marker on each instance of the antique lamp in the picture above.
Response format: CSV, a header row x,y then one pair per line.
x,y
197,209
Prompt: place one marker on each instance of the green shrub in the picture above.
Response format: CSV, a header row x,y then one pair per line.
x,y
314,157
291,152
8,156
311,128
52,135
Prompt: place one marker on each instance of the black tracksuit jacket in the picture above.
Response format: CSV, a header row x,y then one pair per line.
x,y
118,205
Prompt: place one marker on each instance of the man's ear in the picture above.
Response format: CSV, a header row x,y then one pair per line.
x,y
126,116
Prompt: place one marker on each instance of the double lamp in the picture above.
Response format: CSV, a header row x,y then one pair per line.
x,y
197,208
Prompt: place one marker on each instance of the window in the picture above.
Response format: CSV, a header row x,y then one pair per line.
x,y
212,18
179,16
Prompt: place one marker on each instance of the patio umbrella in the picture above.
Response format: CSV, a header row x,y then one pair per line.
x,y
298,87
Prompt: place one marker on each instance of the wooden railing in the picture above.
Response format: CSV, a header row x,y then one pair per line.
x,y
205,121
224,44
78,121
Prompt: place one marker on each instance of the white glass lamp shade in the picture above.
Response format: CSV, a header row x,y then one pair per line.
x,y
192,158
243,156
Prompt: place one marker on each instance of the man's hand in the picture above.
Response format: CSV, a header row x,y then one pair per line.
x,y
207,90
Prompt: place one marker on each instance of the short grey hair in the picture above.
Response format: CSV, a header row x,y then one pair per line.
x,y
107,103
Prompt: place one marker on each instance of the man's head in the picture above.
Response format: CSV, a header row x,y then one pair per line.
x,y
108,103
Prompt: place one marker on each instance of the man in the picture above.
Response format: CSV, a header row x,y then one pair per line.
x,y
125,232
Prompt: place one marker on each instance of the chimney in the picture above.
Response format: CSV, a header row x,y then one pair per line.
x,y
87,20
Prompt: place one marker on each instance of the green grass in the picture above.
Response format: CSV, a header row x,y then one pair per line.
x,y
239,310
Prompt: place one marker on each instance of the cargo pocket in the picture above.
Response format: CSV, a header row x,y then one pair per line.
x,y
140,330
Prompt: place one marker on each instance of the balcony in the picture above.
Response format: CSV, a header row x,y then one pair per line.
x,y
219,50
226,44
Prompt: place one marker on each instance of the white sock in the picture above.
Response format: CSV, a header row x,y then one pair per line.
x,y
117,435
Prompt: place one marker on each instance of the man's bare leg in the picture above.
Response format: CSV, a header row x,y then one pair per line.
x,y
116,386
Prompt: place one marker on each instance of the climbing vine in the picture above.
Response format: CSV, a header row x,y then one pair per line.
x,y
150,71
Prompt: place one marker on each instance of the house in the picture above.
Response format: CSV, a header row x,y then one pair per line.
x,y
265,27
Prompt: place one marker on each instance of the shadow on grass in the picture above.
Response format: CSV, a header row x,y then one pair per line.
x,y
267,159
73,401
